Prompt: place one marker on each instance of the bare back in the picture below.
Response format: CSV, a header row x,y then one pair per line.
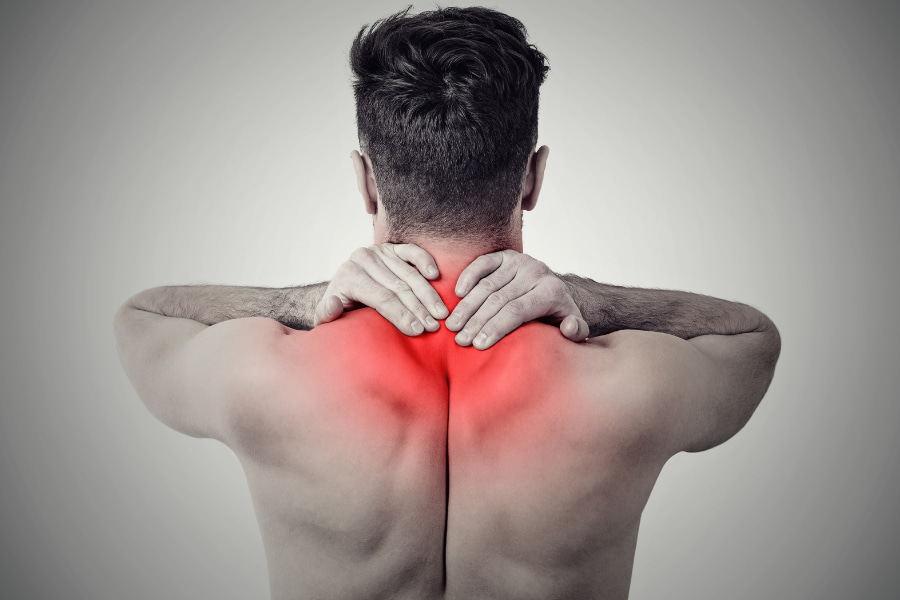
x,y
383,466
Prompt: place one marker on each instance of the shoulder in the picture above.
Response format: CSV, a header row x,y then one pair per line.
x,y
697,393
260,373
639,376
186,373
238,349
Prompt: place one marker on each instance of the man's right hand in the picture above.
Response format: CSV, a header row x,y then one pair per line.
x,y
392,279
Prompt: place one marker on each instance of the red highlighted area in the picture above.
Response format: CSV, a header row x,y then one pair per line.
x,y
447,467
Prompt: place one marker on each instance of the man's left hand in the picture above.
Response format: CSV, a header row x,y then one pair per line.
x,y
502,290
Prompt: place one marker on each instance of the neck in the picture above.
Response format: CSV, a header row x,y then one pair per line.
x,y
453,256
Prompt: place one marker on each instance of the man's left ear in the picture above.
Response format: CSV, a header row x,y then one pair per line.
x,y
534,178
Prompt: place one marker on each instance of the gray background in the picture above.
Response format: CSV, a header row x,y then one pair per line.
x,y
748,151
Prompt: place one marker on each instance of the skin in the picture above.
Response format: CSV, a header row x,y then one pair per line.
x,y
388,462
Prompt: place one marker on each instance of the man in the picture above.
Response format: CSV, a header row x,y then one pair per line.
x,y
401,462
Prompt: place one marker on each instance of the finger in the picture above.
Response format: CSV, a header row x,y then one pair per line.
x,y
328,309
499,302
486,298
390,307
521,310
535,304
479,268
380,273
419,258
574,328
425,294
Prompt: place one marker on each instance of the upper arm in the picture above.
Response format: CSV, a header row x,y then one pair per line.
x,y
704,389
188,373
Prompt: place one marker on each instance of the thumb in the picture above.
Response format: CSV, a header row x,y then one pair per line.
x,y
574,328
328,309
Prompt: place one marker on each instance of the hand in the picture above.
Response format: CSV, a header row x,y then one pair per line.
x,y
505,289
385,277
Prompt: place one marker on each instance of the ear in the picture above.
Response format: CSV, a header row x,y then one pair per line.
x,y
365,181
534,178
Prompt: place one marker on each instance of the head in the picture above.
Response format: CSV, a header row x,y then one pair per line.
x,y
447,114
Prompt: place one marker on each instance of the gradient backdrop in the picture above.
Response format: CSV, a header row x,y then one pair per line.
x,y
749,151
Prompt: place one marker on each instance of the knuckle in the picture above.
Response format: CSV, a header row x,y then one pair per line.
x,y
517,258
400,287
488,285
363,256
536,269
496,299
406,270
517,308
383,295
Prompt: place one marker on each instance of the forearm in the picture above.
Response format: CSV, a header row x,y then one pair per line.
x,y
293,307
609,308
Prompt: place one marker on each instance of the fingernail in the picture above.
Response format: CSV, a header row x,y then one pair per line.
x,y
481,340
431,323
440,311
460,291
417,328
453,322
432,271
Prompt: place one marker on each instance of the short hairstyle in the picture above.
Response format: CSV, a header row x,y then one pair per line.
x,y
447,111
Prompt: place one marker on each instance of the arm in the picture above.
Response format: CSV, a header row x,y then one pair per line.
x,y
698,392
714,364
704,362
292,307
188,349
505,289
184,370
377,276
608,308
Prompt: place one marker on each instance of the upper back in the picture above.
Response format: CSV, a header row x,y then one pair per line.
x,y
445,471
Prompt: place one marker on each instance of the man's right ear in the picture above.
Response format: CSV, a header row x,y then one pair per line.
x,y
365,181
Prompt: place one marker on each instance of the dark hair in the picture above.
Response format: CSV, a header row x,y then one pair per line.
x,y
447,109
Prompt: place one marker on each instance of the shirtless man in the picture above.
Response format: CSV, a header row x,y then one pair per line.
x,y
397,460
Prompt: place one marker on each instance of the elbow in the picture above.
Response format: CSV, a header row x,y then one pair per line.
x,y
121,320
126,328
768,354
772,349
768,344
